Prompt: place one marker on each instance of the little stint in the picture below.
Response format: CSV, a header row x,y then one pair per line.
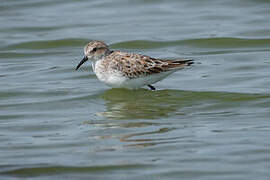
x,y
127,70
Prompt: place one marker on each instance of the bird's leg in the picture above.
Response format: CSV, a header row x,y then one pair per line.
x,y
151,87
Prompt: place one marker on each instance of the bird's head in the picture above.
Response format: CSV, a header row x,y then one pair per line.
x,y
95,50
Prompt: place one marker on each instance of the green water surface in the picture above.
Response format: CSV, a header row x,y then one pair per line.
x,y
208,121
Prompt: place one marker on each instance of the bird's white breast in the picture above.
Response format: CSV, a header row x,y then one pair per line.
x,y
109,77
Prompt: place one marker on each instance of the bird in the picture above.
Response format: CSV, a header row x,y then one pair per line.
x,y
119,69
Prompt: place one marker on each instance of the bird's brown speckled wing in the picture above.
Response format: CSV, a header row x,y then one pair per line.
x,y
136,65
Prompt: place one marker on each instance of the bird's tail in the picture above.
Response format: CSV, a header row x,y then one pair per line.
x,y
179,63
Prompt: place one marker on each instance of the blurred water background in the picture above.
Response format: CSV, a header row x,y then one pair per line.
x,y
209,121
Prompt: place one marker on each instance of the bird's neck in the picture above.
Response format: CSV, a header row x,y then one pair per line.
x,y
97,62
100,70
99,59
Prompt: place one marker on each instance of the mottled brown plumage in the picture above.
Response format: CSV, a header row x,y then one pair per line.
x,y
136,65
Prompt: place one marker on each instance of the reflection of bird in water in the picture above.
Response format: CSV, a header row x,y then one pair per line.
x,y
141,104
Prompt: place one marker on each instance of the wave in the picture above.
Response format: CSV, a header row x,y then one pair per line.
x,y
222,42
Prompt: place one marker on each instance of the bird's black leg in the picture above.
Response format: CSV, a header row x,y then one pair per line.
x,y
151,87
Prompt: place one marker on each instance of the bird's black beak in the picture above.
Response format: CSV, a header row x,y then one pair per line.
x,y
85,58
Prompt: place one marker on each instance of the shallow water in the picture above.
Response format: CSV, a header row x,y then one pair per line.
x,y
207,121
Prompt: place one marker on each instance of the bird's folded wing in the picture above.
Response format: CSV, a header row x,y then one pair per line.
x,y
136,65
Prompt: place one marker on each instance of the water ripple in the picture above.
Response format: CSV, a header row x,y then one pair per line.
x,y
52,170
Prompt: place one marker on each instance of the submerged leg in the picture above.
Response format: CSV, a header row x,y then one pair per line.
x,y
151,87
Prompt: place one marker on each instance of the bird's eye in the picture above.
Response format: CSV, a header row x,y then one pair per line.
x,y
94,49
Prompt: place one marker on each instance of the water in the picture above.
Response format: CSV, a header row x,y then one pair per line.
x,y
209,121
